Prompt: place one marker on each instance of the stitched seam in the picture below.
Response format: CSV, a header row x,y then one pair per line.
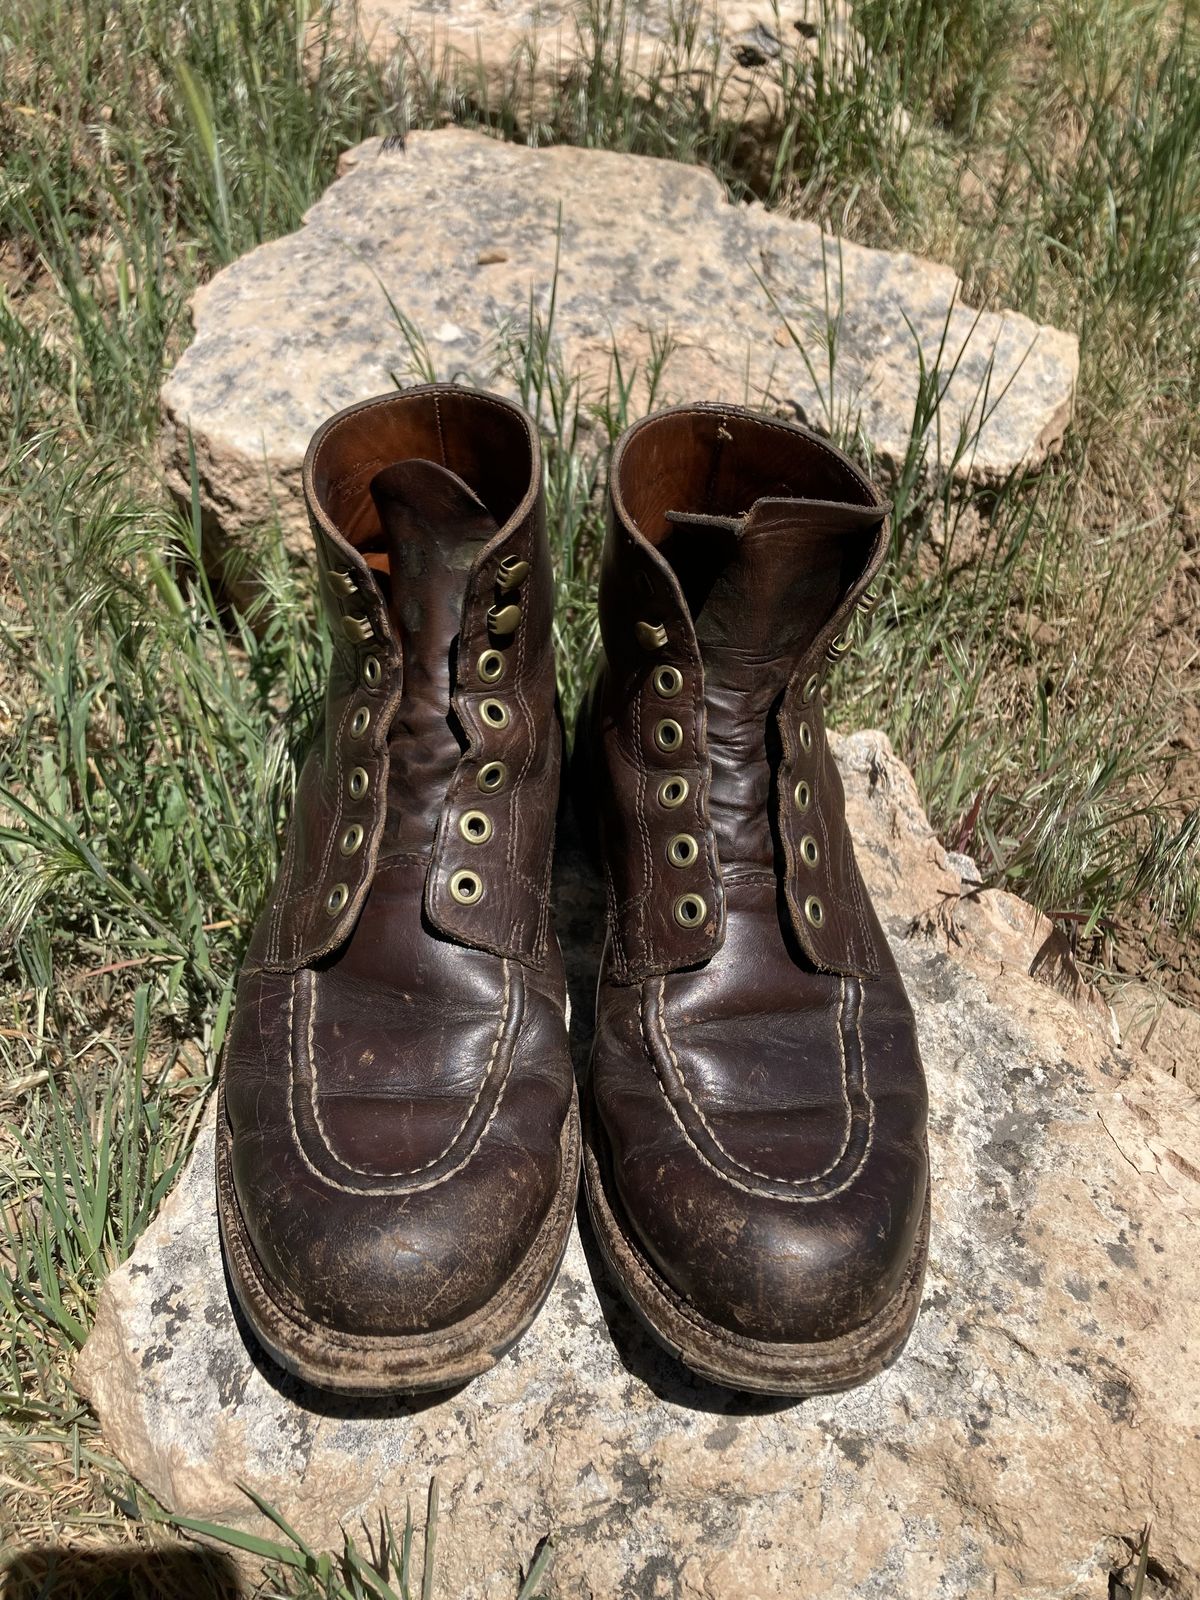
x,y
862,1056
643,834
704,787
792,829
527,763
332,833
372,1172
437,412
753,1172
614,919
822,821
854,878
401,1189
476,396
279,1295
736,1183
725,1177
434,392
282,894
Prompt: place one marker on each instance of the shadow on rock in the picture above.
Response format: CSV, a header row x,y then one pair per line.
x,y
579,922
57,1572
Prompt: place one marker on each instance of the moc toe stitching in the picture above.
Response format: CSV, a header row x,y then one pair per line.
x,y
819,1273
398,1182
860,1117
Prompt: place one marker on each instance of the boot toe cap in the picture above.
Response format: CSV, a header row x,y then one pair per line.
x,y
389,1214
391,1264
780,1271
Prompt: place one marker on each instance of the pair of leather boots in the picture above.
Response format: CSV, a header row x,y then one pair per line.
x,y
400,1138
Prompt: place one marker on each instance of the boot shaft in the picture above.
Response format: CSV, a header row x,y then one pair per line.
x,y
738,550
440,732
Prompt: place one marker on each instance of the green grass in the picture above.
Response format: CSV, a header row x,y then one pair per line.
x,y
1030,659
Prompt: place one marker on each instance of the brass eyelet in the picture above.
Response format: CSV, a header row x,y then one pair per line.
x,y
492,777
490,666
814,911
810,852
336,899
360,721
839,646
512,572
668,681
466,888
372,672
805,737
651,635
868,600
682,850
802,795
358,630
358,783
342,583
811,685
351,840
503,620
668,735
475,827
494,713
690,910
672,792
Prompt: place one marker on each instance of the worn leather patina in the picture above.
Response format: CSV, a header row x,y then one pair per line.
x,y
755,1121
399,1150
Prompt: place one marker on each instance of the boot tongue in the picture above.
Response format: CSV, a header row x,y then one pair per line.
x,y
760,587
433,528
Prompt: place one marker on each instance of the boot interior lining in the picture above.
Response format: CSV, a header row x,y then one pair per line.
x,y
485,443
716,465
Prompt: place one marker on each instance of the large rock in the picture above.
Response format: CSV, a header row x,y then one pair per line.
x,y
743,62
456,232
1046,1408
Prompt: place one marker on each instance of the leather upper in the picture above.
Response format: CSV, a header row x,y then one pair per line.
x,y
808,567
397,1076
492,441
755,1072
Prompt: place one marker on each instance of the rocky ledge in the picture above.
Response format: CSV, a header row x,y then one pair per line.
x,y
427,258
526,59
1044,1411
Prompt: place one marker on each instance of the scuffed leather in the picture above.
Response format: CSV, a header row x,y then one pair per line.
x,y
397,1077
757,1079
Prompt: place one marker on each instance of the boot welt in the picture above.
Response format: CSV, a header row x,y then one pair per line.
x,y
366,1364
718,1354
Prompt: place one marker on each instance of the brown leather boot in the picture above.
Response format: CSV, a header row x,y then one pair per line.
x,y
398,1148
755,1151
